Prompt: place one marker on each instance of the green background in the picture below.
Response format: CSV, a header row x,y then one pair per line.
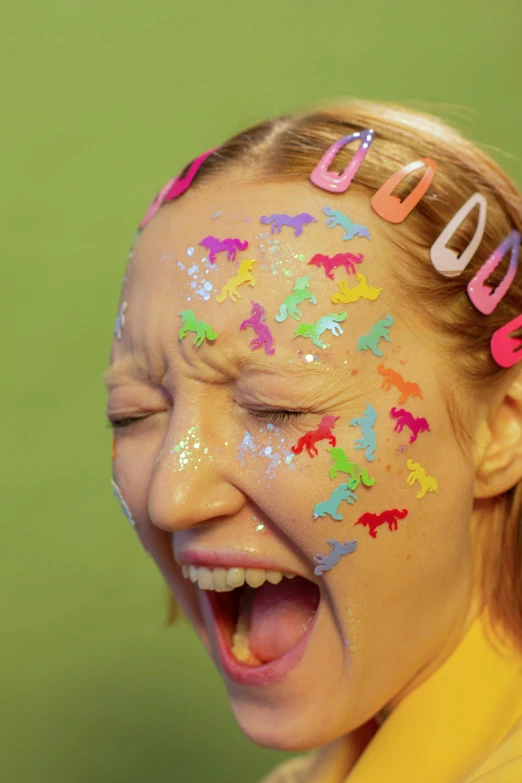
x,y
102,102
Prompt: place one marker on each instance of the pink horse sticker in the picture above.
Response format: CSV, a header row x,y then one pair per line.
x,y
215,245
264,337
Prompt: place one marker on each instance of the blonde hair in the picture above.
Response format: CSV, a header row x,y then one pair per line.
x,y
288,148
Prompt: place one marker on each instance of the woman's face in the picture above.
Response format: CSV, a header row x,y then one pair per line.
x,y
209,474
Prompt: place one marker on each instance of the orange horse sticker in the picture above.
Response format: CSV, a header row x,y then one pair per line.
x,y
392,378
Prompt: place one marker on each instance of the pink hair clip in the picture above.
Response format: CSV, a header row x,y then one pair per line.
x,y
331,180
175,187
390,207
483,296
447,261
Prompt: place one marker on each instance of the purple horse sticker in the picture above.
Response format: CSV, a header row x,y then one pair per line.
x,y
296,222
215,245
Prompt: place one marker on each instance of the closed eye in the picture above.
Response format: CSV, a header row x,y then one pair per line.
x,y
127,421
271,415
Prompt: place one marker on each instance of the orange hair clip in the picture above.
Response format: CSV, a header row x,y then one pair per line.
x,y
390,207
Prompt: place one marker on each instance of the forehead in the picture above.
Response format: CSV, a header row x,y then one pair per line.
x,y
170,271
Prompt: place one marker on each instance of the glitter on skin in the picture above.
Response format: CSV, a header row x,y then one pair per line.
x,y
278,254
124,507
199,285
120,320
190,451
306,358
276,454
259,525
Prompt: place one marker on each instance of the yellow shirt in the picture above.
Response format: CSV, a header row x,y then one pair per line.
x,y
464,724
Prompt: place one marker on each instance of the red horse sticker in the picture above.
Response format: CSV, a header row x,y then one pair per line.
x,y
372,521
310,438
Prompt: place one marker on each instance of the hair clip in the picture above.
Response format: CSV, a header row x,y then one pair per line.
x,y
427,483
348,295
483,296
331,506
352,230
314,331
279,220
215,245
447,261
331,180
124,507
264,337
343,465
379,330
175,187
191,324
329,263
392,378
366,422
391,208
243,276
407,419
322,432
326,562
505,349
372,521
300,293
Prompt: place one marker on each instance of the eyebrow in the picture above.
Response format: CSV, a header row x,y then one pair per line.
x,y
129,369
253,366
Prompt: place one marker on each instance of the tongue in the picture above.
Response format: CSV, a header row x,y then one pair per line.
x,y
280,615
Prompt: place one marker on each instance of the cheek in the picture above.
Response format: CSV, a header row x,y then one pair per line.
x,y
409,498
134,462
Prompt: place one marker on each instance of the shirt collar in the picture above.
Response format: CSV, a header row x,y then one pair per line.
x,y
441,731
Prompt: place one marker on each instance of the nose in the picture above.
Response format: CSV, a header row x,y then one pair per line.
x,y
194,481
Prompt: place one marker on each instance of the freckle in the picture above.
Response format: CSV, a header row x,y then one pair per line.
x,y
355,372
387,440
388,467
399,471
379,459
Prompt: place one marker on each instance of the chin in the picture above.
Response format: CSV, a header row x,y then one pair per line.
x,y
282,728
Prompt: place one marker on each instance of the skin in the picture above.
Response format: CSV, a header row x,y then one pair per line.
x,y
403,600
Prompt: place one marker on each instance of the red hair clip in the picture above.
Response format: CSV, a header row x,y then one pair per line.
x,y
175,187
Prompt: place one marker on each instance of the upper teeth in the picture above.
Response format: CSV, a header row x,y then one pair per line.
x,y
226,579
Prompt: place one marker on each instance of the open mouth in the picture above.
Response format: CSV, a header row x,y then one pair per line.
x,y
263,630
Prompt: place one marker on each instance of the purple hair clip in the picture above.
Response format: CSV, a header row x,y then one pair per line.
x,y
175,187
483,296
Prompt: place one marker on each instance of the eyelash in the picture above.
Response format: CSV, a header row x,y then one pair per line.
x,y
115,424
273,416
276,415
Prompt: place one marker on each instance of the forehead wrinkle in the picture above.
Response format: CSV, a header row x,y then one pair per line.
x,y
331,384
133,367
